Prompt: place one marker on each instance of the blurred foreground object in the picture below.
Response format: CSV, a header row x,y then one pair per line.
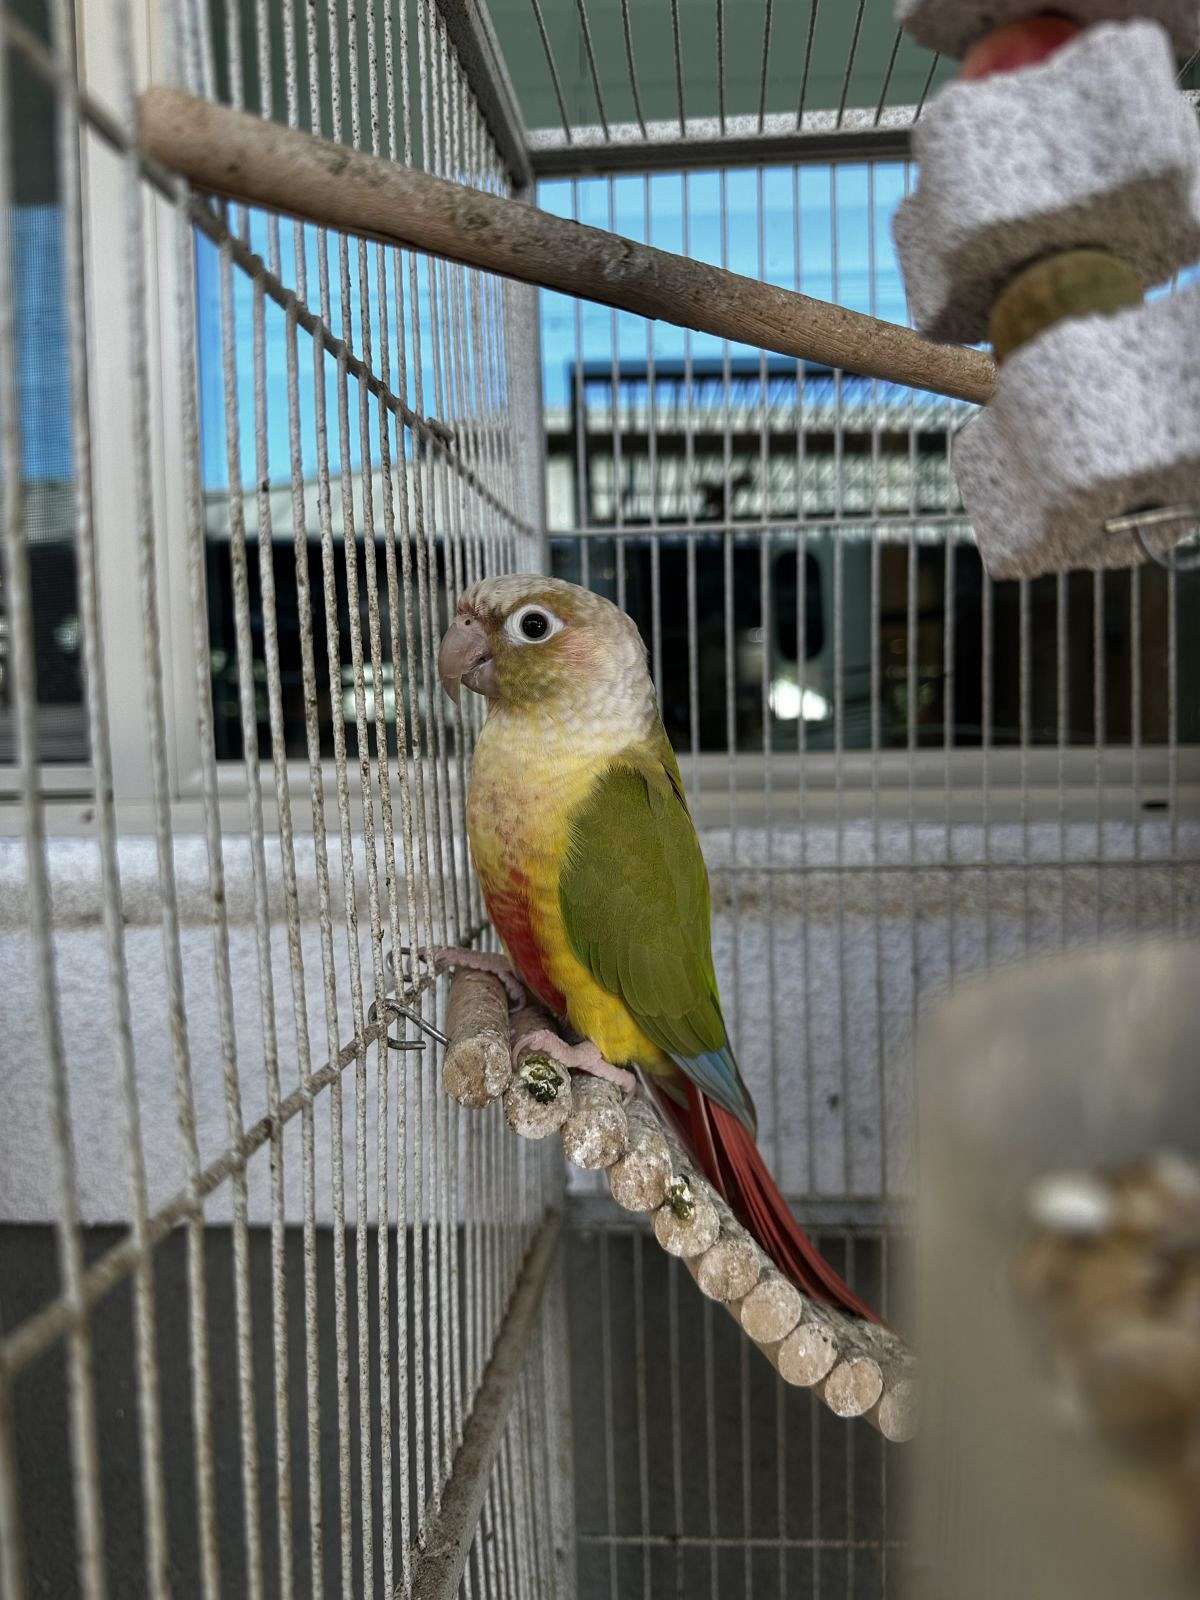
x,y
1053,1232
1112,1271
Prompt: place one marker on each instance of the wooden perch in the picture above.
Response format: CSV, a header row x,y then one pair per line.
x,y
262,163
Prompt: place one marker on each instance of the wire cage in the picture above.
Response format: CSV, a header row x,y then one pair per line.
x,y
265,1293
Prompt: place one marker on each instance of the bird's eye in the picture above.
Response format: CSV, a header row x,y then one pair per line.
x,y
532,625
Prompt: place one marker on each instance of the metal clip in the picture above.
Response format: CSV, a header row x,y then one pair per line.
x,y
1155,517
395,1009
406,976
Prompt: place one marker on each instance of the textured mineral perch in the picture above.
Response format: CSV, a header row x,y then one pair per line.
x,y
875,1377
478,1062
538,1100
772,1308
686,1224
807,1354
827,1357
729,1269
596,1133
853,1386
856,1368
896,1412
638,1180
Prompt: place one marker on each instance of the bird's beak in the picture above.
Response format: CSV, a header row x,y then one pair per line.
x,y
466,658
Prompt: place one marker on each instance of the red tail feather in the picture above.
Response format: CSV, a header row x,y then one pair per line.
x,y
731,1161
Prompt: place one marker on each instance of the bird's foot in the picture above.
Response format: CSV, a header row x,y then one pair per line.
x,y
578,1058
448,958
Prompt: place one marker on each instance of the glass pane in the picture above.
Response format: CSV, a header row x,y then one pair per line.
x,y
654,433
43,379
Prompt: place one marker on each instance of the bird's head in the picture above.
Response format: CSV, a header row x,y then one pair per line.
x,y
528,641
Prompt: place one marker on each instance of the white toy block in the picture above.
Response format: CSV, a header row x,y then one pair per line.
x,y
953,26
1097,417
1091,148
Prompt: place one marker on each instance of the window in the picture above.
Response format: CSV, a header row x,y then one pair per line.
x,y
264,464
818,510
47,472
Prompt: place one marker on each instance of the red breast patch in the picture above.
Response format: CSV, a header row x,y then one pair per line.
x,y
508,907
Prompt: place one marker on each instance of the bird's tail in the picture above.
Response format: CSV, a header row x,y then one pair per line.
x,y
731,1161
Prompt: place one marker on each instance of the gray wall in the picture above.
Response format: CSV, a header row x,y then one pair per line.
x,y
820,968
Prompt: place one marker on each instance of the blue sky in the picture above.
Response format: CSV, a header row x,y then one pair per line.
x,y
212,409
824,229
43,376
840,216
835,220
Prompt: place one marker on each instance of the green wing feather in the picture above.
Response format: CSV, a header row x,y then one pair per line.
x,y
635,902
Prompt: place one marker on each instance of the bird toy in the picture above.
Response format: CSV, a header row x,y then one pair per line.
x,y
1059,180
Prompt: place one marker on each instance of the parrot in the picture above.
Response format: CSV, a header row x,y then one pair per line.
x,y
593,877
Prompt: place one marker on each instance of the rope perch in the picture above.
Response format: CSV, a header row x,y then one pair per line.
x,y
857,1368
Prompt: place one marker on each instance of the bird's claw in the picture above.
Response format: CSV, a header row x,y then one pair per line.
x,y
449,958
577,1058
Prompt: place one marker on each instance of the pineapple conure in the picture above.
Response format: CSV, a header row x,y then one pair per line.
x,y
593,877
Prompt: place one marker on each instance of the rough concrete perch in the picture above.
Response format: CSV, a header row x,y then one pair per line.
x,y
596,1133
478,1064
282,169
638,1180
857,1368
539,1099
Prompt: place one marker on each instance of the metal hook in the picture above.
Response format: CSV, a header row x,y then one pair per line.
x,y
407,975
395,1009
1154,517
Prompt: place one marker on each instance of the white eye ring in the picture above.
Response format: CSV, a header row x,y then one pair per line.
x,y
514,627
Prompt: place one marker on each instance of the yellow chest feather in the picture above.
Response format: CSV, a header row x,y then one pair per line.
x,y
519,807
